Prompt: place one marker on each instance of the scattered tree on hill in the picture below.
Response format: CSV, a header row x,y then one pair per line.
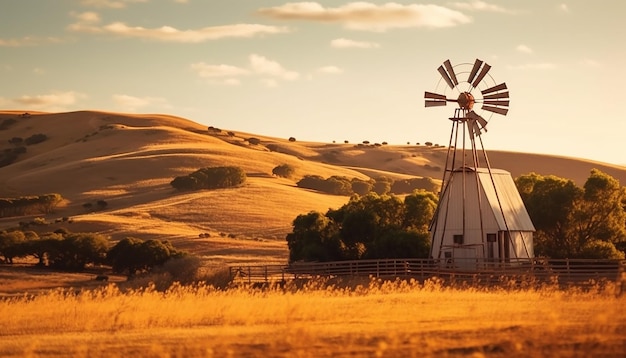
x,y
254,141
284,170
574,222
292,139
35,139
42,204
210,178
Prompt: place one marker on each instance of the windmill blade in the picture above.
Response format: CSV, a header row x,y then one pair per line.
x,y
497,103
502,111
435,103
483,122
482,75
434,95
497,95
477,65
500,87
445,76
451,72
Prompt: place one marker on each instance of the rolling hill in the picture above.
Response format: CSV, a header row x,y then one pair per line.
x,y
128,161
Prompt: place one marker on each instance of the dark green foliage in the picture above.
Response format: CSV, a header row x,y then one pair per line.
x,y
132,255
372,226
10,245
76,250
284,170
382,185
405,186
16,141
35,139
254,141
210,178
574,222
5,124
361,187
42,204
335,185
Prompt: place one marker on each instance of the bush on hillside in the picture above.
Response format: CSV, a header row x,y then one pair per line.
x,y
35,139
210,178
284,170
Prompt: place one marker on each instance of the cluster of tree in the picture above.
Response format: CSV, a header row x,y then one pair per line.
x,y
42,204
575,222
338,185
371,226
10,155
210,178
74,251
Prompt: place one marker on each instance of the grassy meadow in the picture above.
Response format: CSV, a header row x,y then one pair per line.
x,y
373,319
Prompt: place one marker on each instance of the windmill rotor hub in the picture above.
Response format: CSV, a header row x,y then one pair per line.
x,y
466,100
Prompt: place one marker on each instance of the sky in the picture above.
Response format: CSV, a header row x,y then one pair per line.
x,y
328,70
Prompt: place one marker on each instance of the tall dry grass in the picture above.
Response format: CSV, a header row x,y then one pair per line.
x,y
400,318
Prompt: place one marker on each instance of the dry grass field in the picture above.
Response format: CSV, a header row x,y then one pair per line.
x,y
379,319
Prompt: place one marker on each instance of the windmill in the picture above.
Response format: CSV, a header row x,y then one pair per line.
x,y
480,216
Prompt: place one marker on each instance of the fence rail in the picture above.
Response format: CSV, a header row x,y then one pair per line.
x,y
567,271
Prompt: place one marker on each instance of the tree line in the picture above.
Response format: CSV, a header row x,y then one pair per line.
x,y
65,250
25,205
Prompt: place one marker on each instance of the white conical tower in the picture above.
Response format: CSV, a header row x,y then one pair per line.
x,y
480,218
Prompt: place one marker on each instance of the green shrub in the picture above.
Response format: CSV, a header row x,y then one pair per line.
x,y
35,139
284,170
210,178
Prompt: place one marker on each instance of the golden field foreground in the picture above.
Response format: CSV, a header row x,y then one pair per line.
x,y
377,319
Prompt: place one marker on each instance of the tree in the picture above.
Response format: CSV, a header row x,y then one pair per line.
x,y
314,238
10,242
132,255
77,250
574,222
284,170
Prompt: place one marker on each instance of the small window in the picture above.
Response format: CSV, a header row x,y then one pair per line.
x,y
457,239
491,237
447,254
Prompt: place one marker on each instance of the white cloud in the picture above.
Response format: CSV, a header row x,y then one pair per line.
x,y
346,43
477,5
370,17
111,4
56,101
28,41
211,71
131,103
330,70
563,7
257,65
262,65
90,22
524,49
533,66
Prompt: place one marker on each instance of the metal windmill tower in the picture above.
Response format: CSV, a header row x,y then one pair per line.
x,y
480,214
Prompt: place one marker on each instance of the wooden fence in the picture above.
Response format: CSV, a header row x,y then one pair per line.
x,y
567,271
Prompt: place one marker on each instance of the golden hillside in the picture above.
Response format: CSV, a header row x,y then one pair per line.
x,y
128,160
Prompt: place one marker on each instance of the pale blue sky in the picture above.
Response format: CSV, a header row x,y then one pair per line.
x,y
326,70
